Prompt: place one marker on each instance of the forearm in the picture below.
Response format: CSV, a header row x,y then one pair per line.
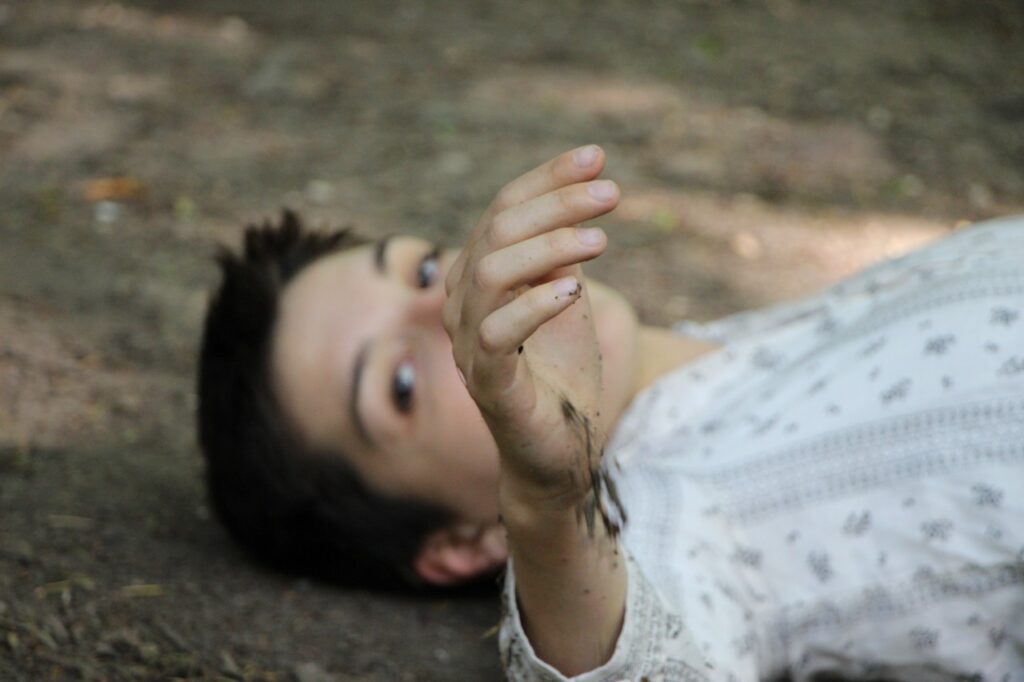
x,y
571,584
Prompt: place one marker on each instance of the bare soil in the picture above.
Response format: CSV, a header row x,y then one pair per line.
x,y
764,150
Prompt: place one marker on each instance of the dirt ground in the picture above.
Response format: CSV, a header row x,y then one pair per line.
x,y
764,149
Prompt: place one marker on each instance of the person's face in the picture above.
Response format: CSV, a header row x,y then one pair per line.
x,y
364,368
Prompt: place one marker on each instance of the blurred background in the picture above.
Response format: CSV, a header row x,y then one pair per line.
x,y
764,149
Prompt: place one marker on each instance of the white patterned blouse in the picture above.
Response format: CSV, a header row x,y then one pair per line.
x,y
839,487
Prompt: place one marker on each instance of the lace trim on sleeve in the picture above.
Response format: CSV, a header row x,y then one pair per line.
x,y
654,643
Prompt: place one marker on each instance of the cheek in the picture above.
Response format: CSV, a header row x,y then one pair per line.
x,y
469,443
454,401
448,397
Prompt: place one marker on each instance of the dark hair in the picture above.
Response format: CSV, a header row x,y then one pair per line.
x,y
298,509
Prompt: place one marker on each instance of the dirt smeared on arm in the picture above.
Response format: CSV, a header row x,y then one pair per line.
x,y
592,506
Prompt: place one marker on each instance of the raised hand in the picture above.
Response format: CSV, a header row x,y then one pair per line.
x,y
519,317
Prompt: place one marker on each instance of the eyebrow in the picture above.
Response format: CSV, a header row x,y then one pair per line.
x,y
353,401
380,255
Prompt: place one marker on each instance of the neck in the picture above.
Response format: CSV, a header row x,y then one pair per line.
x,y
659,351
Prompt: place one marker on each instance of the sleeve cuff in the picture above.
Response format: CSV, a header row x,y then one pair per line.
x,y
654,642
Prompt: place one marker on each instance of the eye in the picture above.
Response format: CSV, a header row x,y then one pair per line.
x,y
402,386
426,271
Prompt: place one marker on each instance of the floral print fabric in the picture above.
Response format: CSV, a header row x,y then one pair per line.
x,y
839,487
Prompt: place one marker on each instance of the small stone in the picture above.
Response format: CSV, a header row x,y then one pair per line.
x,y
107,212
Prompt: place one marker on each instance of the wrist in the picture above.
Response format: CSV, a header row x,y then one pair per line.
x,y
543,534
582,505
525,503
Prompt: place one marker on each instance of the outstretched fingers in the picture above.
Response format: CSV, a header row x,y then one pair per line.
x,y
572,167
542,217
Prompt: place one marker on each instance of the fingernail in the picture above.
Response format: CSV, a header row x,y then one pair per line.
x,y
591,236
584,156
567,286
602,190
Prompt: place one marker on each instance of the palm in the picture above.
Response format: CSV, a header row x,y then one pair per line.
x,y
549,422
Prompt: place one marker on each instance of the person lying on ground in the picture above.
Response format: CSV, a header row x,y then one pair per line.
x,y
831,484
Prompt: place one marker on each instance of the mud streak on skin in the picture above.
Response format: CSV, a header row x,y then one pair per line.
x,y
592,505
